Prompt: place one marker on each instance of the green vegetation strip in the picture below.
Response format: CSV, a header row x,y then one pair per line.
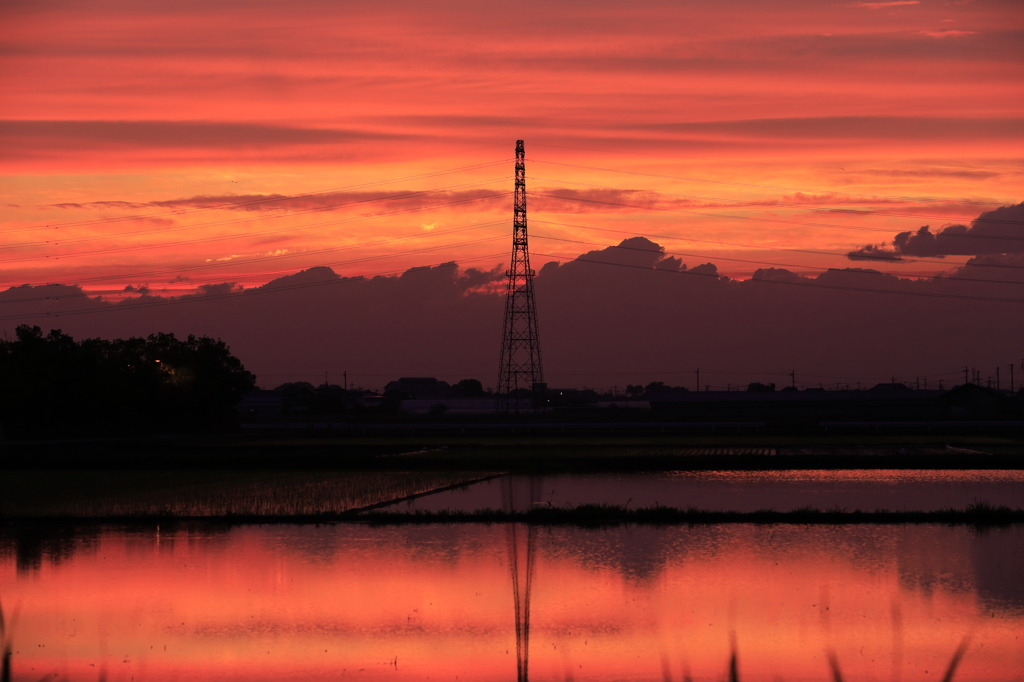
x,y
980,514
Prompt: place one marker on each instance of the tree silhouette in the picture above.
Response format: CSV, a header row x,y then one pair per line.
x,y
53,384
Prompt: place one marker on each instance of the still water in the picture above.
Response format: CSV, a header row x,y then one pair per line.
x,y
743,491
355,602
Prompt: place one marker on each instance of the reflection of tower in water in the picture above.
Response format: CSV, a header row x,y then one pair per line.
x,y
520,539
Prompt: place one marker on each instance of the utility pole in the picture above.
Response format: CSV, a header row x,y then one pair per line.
x,y
345,375
1011,377
997,377
520,367
698,380
965,375
792,378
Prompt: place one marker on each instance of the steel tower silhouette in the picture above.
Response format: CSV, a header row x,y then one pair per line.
x,y
520,375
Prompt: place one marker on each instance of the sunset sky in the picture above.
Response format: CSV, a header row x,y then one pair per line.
x,y
171,145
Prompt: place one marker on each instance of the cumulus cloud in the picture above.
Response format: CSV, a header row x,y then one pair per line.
x,y
218,289
998,231
646,320
474,278
777,275
874,252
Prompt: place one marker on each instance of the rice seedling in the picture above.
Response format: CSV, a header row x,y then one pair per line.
x,y
235,494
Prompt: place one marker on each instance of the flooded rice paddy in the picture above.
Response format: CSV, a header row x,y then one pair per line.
x,y
209,493
506,602
212,600
742,491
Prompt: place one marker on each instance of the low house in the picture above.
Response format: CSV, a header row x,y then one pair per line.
x,y
260,404
419,388
483,405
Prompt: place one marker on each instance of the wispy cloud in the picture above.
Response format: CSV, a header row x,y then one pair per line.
x,y
882,5
947,33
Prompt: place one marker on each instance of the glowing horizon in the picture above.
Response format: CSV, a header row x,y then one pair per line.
x,y
724,133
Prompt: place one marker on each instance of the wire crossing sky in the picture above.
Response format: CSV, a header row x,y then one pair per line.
x,y
143,138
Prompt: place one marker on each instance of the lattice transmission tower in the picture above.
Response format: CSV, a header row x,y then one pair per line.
x,y
520,376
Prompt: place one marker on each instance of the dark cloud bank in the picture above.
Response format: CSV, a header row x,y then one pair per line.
x,y
1000,231
622,314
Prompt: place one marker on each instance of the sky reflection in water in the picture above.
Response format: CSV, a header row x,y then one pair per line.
x,y
412,603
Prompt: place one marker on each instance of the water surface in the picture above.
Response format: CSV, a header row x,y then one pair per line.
x,y
349,601
743,491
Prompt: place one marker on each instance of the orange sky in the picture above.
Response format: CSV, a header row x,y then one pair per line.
x,y
723,114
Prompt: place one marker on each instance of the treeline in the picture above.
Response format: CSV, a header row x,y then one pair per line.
x,y
54,385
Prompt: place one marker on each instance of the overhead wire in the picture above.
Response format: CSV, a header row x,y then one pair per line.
x,y
762,247
252,234
733,183
350,261
297,254
814,285
740,204
785,265
320,209
133,305
687,210
252,202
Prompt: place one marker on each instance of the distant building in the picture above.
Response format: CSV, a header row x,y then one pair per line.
x,y
450,406
419,388
890,388
260,404
625,403
298,396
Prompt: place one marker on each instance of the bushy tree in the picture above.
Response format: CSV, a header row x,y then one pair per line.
x,y
469,388
53,384
758,387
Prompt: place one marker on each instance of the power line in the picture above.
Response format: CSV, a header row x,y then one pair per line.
x,y
761,247
328,264
739,184
751,218
786,265
247,292
233,221
252,202
318,209
297,254
252,234
815,285
743,204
